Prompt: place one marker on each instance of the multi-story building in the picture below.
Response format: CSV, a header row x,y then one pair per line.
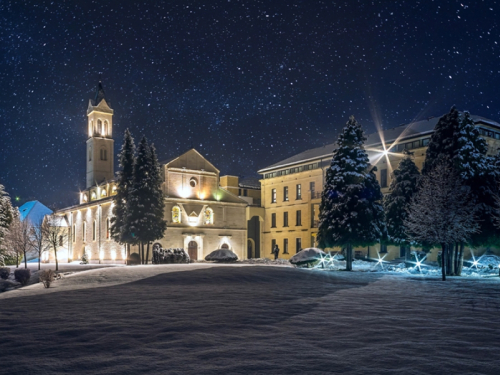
x,y
201,215
291,188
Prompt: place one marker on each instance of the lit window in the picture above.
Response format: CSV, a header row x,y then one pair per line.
x,y
209,216
299,191
105,128
103,193
285,194
273,196
84,198
113,191
99,127
93,195
176,214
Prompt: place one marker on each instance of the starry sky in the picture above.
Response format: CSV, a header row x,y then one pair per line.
x,y
245,82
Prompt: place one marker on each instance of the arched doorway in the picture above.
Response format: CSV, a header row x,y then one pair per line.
x,y
225,246
250,253
193,250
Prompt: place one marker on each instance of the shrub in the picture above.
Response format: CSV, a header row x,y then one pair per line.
x,y
85,258
4,272
22,275
46,277
133,259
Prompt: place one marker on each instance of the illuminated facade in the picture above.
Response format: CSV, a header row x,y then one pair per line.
x,y
291,188
201,216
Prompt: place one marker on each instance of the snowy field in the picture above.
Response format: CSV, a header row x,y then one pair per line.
x,y
251,319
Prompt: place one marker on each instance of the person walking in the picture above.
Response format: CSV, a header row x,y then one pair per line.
x,y
276,252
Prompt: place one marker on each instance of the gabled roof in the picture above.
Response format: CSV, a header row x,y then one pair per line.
x,y
199,162
34,211
399,133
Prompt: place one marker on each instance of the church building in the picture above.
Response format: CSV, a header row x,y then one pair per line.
x,y
201,215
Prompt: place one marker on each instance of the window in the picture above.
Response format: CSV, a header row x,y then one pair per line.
x,y
299,191
312,187
273,196
99,127
273,220
239,192
104,154
193,182
416,144
73,234
383,178
298,244
285,246
245,192
285,219
225,246
425,142
93,195
273,244
209,216
84,231
94,230
176,214
90,153
383,249
105,128
285,194
108,228
60,240
103,193
298,218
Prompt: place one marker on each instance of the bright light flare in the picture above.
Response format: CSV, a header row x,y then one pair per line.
x,y
380,261
419,263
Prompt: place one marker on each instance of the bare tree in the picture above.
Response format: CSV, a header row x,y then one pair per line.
x,y
39,236
19,238
441,212
56,234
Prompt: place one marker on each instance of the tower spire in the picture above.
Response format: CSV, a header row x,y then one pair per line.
x,y
99,94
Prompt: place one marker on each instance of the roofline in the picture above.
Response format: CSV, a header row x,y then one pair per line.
x,y
296,162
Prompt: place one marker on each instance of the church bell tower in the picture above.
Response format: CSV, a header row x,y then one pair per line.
x,y
100,142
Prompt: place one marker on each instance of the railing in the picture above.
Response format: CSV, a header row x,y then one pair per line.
x,y
315,194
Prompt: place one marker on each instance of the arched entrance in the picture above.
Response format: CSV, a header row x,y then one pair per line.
x,y
225,246
250,253
193,250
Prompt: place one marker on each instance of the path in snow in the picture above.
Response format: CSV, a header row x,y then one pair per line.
x,y
253,319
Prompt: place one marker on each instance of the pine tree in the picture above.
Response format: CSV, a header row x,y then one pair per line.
x,y
442,144
140,198
403,186
157,223
120,225
6,212
479,173
351,213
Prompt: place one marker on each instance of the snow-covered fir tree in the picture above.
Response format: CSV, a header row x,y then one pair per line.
x,y
139,204
6,217
403,186
443,141
351,212
441,212
157,223
120,226
479,173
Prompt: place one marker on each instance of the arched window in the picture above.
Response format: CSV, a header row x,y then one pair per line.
x,y
104,154
225,246
93,196
113,191
84,198
84,231
103,193
105,128
176,214
209,216
99,127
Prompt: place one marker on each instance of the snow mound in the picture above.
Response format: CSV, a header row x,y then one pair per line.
x,y
310,254
222,255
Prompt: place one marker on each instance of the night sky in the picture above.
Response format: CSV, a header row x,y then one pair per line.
x,y
247,83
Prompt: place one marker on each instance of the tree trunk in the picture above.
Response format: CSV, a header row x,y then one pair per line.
x,y
451,260
39,256
460,259
348,258
142,252
25,261
55,254
443,261
147,254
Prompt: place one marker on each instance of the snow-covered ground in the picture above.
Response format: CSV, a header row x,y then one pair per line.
x,y
251,319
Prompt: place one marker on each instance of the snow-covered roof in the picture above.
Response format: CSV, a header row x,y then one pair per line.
x,y
399,133
34,211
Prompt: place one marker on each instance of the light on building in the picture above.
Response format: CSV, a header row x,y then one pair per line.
x,y
101,255
113,255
